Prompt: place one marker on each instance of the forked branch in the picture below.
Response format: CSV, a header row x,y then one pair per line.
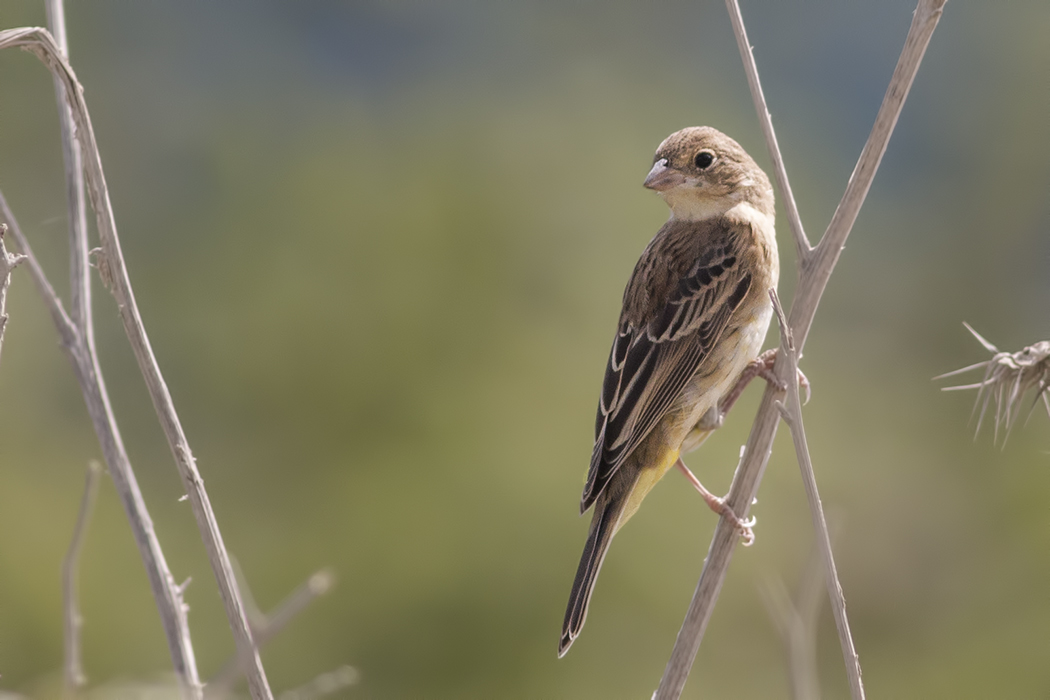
x,y
85,365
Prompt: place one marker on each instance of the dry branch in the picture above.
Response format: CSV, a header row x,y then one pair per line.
x,y
266,627
40,42
86,367
73,670
791,412
8,262
80,302
796,620
325,684
85,364
815,268
802,247
76,201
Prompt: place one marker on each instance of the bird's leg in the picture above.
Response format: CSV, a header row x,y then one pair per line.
x,y
719,506
762,366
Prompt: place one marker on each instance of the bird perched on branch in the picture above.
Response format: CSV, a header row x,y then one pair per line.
x,y
695,315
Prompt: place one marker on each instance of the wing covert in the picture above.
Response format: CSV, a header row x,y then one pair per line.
x,y
654,354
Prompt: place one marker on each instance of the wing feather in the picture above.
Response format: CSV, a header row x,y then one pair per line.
x,y
655,354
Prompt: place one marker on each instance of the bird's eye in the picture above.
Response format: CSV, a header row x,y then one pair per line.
x,y
704,159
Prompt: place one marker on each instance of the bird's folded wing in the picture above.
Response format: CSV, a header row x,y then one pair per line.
x,y
652,360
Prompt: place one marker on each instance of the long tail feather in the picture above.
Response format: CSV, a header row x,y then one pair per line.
x,y
603,526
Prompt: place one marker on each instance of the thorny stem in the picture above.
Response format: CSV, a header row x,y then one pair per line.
x,y
1008,376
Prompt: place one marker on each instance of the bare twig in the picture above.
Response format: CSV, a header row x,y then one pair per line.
x,y
325,684
813,278
8,262
66,330
76,202
1008,377
256,617
266,627
73,670
802,246
40,42
89,375
796,620
791,412
317,585
80,292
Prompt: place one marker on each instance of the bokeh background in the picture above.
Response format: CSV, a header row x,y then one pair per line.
x,y
380,248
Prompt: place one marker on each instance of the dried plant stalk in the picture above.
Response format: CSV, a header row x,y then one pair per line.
x,y
266,627
8,262
791,413
40,42
796,620
85,365
73,669
325,684
76,201
84,360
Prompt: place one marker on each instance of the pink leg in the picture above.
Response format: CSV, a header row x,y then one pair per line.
x,y
719,506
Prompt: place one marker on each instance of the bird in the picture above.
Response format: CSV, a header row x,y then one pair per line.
x,y
695,314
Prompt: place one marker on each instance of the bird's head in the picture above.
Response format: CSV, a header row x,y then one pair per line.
x,y
700,172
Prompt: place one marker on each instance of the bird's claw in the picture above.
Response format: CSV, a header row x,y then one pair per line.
x,y
744,527
803,382
764,368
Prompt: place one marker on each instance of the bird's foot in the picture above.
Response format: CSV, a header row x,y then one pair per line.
x,y
762,366
719,505
744,527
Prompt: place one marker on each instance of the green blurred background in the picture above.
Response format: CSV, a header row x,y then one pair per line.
x,y
380,249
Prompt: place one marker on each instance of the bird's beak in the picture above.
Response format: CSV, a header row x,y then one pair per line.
x,y
662,178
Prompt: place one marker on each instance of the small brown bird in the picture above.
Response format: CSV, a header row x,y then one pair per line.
x,y
695,315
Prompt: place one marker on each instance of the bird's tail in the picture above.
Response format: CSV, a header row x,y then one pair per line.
x,y
603,526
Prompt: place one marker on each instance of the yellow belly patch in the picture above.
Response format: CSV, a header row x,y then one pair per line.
x,y
646,481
